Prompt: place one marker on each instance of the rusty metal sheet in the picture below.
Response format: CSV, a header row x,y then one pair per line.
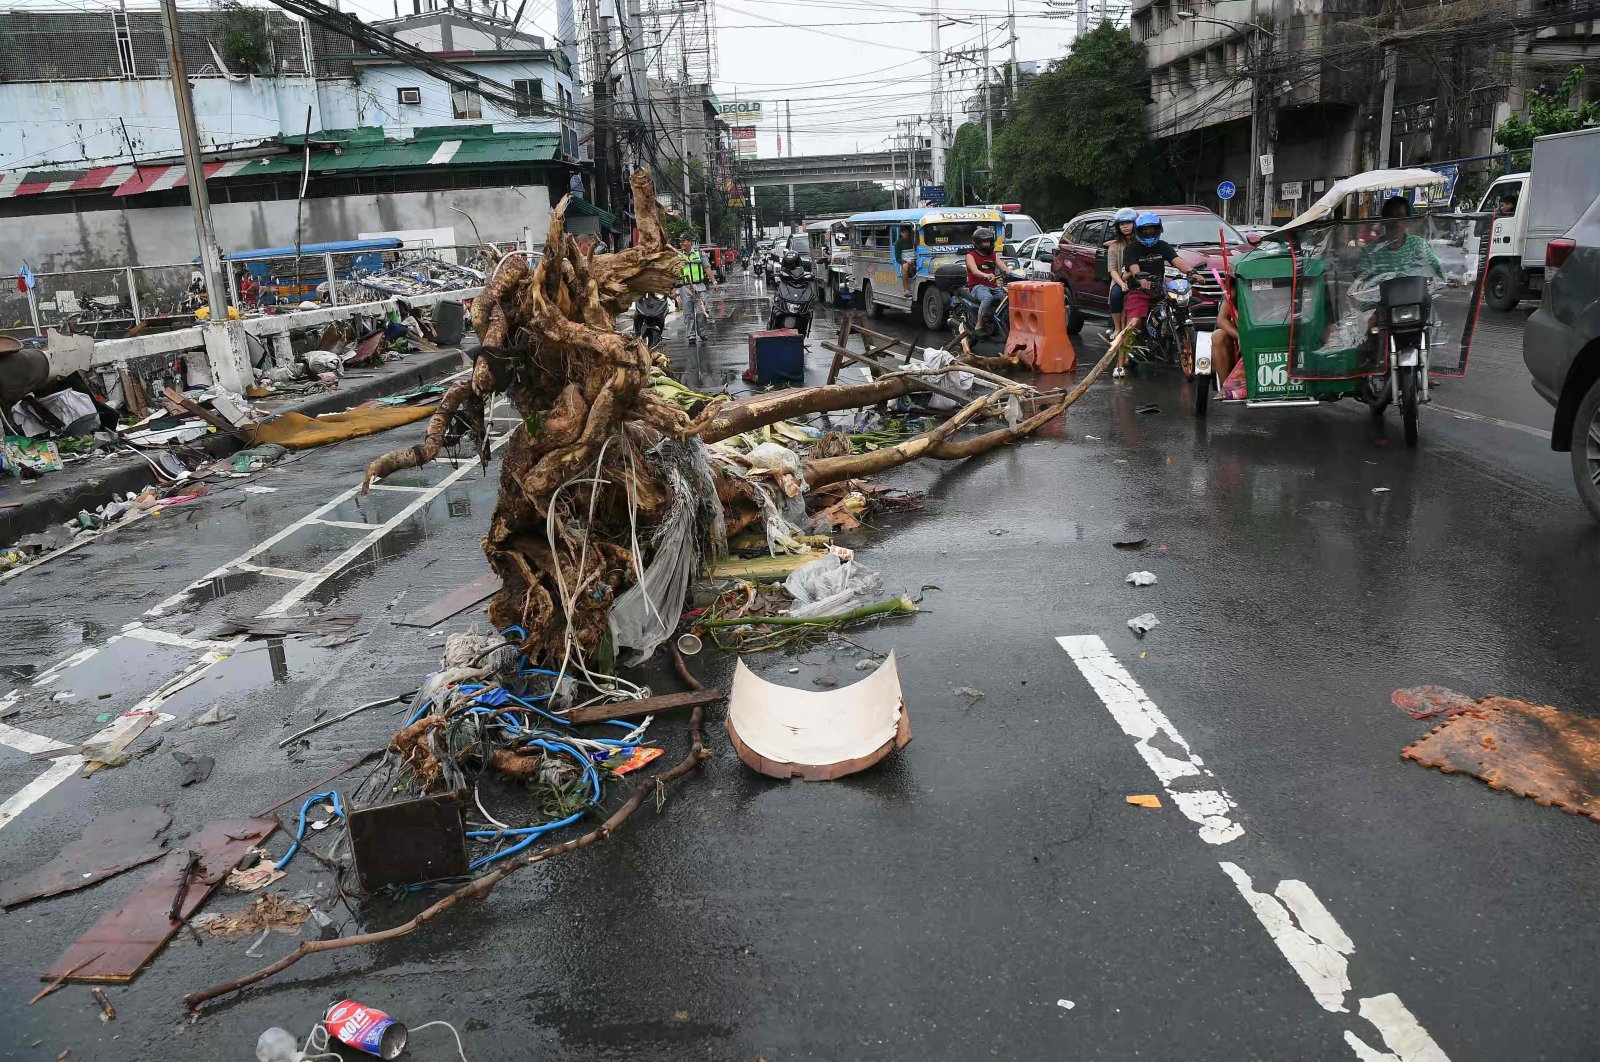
x,y
109,845
128,936
1550,756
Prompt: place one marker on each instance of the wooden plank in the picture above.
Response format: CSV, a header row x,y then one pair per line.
x,y
649,706
112,843
923,382
128,936
194,408
458,600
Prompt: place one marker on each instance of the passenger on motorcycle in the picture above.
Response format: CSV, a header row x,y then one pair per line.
x,y
983,272
1145,264
1116,257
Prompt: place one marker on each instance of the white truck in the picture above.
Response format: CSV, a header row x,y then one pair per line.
x,y
1545,203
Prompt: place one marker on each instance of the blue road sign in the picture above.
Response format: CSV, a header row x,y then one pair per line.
x,y
1225,190
933,194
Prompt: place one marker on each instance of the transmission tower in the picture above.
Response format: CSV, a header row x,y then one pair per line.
x,y
679,38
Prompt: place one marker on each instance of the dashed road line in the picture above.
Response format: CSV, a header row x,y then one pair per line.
x,y
1300,925
305,583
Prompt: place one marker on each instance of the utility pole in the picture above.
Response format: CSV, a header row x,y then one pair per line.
x,y
788,116
1391,63
936,101
988,110
1083,21
1011,7
597,53
210,255
683,139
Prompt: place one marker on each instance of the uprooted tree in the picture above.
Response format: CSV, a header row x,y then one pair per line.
x,y
601,459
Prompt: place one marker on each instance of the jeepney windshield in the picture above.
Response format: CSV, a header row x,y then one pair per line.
x,y
951,233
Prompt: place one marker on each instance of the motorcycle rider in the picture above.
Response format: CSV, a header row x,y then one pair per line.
x,y
983,272
696,277
1145,264
792,271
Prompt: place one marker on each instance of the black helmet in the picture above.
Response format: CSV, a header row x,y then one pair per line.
x,y
791,261
983,238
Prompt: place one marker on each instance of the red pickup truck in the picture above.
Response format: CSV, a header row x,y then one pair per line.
x,y
1080,258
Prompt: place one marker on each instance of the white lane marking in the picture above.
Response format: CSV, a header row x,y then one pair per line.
x,y
1402,1033
1299,923
1538,433
161,637
59,771
345,523
1319,960
399,486
276,573
27,742
1208,806
194,672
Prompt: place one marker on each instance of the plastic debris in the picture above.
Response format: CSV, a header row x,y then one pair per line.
x,y
1144,800
1380,490
866,665
277,1045
1140,579
1143,623
211,716
1065,1004
1427,702
831,585
971,695
258,876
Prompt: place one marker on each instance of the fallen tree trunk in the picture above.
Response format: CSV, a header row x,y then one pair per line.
x,y
963,448
748,415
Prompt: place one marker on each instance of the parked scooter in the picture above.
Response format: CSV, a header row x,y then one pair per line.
x,y
650,318
793,301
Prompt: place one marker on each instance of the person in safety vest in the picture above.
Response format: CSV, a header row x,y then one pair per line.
x,y
696,278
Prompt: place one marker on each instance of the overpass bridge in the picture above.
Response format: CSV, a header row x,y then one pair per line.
x,y
883,166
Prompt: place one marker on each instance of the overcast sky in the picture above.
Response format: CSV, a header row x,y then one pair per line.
x,y
849,69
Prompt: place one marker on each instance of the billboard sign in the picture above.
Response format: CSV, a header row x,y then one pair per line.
x,y
741,111
742,132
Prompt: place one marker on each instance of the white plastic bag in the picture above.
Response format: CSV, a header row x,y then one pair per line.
x,y
831,585
934,358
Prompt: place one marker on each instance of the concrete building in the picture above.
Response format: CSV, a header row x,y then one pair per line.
x,y
90,163
1318,67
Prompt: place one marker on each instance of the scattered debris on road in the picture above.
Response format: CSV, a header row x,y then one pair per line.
x,y
1140,579
272,911
111,844
1143,623
968,694
107,1011
283,626
790,733
1548,755
1429,702
1131,543
1144,800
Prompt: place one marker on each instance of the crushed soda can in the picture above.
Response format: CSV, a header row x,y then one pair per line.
x,y
365,1029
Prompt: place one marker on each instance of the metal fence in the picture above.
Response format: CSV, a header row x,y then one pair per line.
x,y
110,302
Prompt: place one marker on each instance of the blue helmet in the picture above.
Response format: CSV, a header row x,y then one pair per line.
x,y
1147,220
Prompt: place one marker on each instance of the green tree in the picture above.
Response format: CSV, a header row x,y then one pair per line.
x,y
1547,113
246,37
812,200
966,167
1076,138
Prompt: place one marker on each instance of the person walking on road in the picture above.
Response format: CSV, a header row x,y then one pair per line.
x,y
691,300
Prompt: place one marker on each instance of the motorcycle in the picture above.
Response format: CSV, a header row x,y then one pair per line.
x,y
650,318
964,304
1167,336
792,302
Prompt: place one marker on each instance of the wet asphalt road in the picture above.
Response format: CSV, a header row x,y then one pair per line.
x,y
950,903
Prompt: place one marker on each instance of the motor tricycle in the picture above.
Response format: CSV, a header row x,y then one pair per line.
x,y
1366,295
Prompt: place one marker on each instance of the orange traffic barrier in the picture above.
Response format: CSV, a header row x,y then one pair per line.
x,y
1039,327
